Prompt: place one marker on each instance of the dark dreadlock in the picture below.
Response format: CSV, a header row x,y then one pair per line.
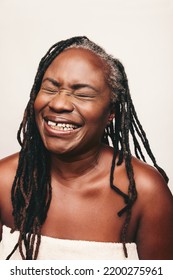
x,y
31,190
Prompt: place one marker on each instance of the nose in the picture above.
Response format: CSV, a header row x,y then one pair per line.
x,y
61,102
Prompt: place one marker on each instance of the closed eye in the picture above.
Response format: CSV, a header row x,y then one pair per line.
x,y
49,90
85,95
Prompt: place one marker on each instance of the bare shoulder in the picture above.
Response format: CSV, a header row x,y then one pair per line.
x,y
155,203
149,182
11,159
152,189
8,166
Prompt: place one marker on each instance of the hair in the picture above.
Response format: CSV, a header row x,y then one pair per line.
x,y
31,190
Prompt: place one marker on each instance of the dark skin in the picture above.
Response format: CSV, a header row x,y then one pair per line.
x,y
74,91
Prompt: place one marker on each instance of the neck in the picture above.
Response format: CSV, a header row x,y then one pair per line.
x,y
71,167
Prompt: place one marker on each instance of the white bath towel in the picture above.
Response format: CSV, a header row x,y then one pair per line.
x,y
63,249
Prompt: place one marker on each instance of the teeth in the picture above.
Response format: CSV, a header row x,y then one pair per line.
x,y
51,123
61,126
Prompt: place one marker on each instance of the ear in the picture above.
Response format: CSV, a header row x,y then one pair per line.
x,y
110,118
112,113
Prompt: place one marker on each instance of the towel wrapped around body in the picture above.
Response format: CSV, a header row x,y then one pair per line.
x,y
63,249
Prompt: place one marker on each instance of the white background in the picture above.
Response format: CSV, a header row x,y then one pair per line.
x,y
138,32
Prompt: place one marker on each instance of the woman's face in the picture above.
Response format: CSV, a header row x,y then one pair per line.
x,y
72,107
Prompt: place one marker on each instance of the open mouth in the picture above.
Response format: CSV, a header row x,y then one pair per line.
x,y
62,126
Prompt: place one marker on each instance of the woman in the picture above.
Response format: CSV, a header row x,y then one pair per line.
x,y
75,185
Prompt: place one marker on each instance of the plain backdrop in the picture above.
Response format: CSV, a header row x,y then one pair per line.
x,y
138,32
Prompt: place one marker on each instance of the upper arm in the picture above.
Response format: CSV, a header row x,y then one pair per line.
x,y
155,231
7,173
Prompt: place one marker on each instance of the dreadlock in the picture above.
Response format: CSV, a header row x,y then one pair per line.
x,y
31,190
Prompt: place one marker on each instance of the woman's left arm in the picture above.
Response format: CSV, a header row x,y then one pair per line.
x,y
155,231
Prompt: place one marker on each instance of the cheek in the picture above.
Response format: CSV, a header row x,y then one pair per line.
x,y
97,114
38,104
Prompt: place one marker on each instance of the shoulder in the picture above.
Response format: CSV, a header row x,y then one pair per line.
x,y
152,189
149,182
152,212
8,168
155,205
147,178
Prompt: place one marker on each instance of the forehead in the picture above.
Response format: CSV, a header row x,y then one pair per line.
x,y
80,62
81,54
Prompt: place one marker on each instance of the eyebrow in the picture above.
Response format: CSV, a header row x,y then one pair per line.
x,y
54,82
74,86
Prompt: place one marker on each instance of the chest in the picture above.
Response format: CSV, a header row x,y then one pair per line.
x,y
90,215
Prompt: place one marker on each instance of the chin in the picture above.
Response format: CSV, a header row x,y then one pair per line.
x,y
59,150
